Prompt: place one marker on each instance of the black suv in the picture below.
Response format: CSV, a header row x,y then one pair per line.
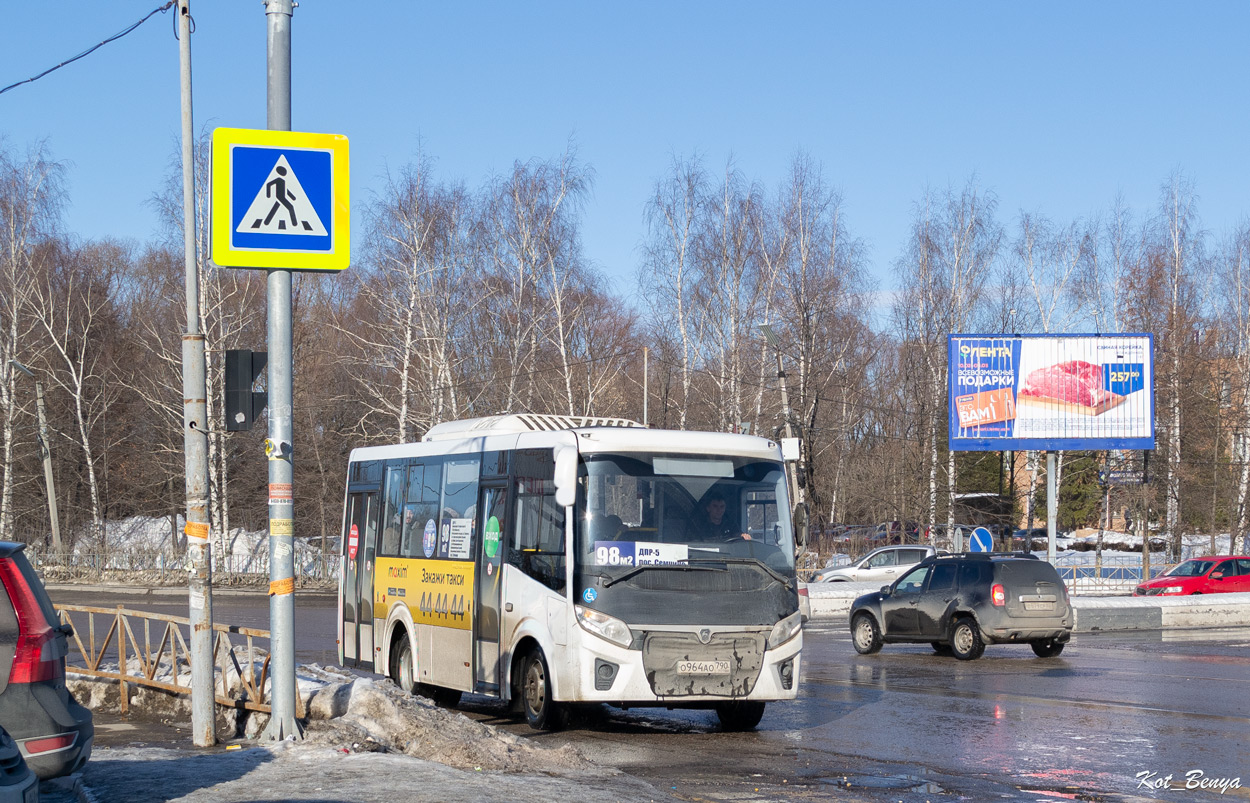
x,y
959,603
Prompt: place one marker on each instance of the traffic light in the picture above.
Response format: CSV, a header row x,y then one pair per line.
x,y
243,406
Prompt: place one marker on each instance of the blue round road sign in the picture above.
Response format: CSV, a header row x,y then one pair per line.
x,y
982,541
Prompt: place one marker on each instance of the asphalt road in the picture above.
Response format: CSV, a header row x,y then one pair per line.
x,y
1111,718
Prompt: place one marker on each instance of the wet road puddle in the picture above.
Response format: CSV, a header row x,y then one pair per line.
x,y
1070,793
901,783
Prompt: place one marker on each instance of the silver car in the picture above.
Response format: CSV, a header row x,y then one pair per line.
x,y
881,566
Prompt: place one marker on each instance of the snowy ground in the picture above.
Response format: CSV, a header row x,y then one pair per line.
x,y
311,772
365,741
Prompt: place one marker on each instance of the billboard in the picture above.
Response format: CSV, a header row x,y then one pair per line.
x,y
1010,392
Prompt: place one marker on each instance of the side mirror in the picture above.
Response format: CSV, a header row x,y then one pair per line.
x,y
885,591
1217,575
566,475
801,527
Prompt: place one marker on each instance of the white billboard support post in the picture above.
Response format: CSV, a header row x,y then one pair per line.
x,y
1052,504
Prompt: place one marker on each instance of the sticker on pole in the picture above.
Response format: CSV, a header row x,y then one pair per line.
x,y
279,200
353,542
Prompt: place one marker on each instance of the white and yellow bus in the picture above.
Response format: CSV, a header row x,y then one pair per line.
x,y
553,560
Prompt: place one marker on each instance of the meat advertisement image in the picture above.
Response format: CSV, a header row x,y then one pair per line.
x,y
1076,386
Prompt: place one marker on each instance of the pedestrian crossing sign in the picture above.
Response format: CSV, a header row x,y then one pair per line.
x,y
279,200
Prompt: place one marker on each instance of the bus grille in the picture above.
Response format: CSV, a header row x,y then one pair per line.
x,y
697,582
665,655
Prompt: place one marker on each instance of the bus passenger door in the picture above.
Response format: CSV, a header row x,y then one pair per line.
x,y
492,524
359,546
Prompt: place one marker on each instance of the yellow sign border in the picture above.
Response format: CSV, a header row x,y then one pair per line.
x,y
219,221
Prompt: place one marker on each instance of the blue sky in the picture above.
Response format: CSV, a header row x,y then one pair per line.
x,y
1056,107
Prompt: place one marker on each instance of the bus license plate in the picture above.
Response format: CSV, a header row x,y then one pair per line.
x,y
1039,606
703,667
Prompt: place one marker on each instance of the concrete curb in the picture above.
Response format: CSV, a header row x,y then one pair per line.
x,y
832,601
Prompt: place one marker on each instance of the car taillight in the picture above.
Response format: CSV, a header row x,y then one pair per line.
x,y
34,630
50,743
998,594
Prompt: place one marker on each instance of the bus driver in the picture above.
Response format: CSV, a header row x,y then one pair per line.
x,y
714,526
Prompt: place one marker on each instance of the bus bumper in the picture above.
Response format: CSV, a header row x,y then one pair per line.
x,y
659,675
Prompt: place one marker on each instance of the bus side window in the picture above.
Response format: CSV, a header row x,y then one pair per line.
x,y
537,544
393,511
421,509
537,547
459,508
408,523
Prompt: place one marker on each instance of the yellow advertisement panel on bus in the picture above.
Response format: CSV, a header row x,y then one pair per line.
x,y
437,592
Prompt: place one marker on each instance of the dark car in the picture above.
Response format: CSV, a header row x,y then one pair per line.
x,y
17,783
959,603
52,730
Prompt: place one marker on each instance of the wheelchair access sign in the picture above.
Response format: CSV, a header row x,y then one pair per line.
x,y
279,200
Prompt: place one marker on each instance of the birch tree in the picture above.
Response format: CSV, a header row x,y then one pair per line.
x,y
667,278
1181,256
954,242
1236,278
30,201
420,289
74,305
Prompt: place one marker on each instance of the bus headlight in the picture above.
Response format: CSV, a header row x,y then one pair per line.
x,y
604,626
785,630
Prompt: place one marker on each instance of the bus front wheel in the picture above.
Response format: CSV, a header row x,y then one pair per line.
x,y
740,715
541,711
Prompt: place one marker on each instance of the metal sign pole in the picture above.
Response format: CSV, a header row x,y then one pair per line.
x,y
282,722
1052,504
195,430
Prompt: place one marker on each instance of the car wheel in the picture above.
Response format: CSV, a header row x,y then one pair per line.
x,y
940,648
966,643
1046,648
402,671
865,634
541,711
739,715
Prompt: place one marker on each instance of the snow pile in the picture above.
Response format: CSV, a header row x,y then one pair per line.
x,y
366,715
348,714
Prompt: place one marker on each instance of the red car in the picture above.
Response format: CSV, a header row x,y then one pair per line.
x,y
1209,575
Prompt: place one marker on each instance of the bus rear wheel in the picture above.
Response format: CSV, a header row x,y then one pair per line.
x,y
740,715
541,711
402,671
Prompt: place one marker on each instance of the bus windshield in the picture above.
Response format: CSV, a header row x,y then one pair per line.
x,y
640,510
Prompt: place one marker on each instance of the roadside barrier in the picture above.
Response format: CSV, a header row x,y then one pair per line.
x,y
832,601
240,671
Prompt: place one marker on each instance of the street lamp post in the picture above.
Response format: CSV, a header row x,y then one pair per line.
x,y
45,452
792,479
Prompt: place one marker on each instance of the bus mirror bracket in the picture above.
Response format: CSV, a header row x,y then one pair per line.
x,y
566,475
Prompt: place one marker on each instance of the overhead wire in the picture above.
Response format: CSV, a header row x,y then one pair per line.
x,y
92,49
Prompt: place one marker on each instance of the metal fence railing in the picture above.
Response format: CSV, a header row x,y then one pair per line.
x,y
150,649
170,568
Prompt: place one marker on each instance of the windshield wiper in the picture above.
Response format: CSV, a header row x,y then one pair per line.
x,y
776,575
640,569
